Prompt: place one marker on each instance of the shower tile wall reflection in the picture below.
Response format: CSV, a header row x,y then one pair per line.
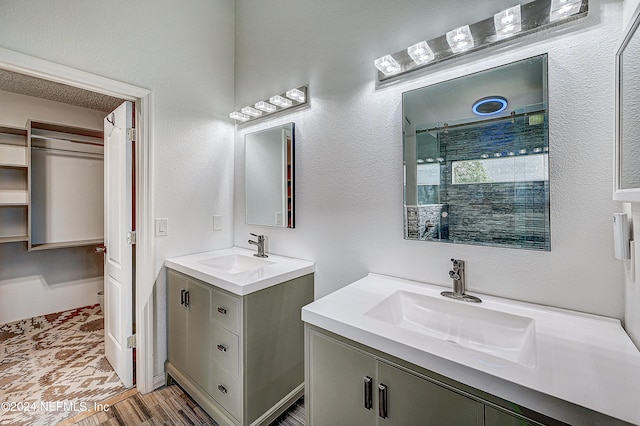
x,y
480,181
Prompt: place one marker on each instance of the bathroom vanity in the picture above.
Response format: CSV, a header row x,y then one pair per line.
x,y
385,350
235,338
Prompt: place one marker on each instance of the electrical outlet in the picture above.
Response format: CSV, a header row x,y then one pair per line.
x,y
217,223
162,227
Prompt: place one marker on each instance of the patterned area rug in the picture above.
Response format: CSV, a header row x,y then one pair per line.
x,y
53,367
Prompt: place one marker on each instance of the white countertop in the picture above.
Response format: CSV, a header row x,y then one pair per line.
x,y
280,269
584,359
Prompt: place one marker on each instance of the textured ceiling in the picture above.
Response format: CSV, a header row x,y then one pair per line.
x,y
32,86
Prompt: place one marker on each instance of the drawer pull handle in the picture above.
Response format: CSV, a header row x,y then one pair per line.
x,y
222,310
382,401
187,299
222,348
222,389
182,292
368,391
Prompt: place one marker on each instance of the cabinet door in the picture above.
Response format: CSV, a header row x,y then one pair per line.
x,y
412,400
177,286
337,388
494,417
199,330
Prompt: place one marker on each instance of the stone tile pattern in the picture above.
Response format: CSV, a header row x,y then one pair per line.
x,y
512,214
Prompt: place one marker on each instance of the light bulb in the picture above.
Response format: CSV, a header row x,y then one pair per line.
x,y
265,106
239,116
296,95
421,53
280,101
251,111
387,65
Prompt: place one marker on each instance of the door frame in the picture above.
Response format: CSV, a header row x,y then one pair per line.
x,y
144,304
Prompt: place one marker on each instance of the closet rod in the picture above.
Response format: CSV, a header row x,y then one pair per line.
x,y
79,153
65,140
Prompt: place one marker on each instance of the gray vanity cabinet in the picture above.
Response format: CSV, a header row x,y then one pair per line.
x,y
495,417
240,357
188,309
349,386
413,400
338,374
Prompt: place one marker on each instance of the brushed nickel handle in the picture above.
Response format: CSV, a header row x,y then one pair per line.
x,y
222,389
101,249
222,348
368,392
382,401
222,310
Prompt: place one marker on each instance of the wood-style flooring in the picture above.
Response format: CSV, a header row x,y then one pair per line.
x,y
169,405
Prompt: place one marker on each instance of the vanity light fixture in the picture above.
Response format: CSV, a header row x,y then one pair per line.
x,y
506,25
421,53
280,101
508,22
560,9
460,39
251,111
296,95
265,106
238,116
288,101
387,65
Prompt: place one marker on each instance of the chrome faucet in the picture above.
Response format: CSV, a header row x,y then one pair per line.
x,y
260,244
459,284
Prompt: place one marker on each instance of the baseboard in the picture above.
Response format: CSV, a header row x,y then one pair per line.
x,y
158,381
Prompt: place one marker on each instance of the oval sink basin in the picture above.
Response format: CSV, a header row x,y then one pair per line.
x,y
504,335
235,263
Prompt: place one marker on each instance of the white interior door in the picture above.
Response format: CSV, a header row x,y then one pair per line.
x,y
118,215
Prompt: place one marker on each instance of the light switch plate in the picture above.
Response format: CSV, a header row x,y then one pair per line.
x,y
162,227
217,223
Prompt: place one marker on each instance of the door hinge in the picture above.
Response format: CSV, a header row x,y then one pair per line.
x,y
131,237
131,342
131,133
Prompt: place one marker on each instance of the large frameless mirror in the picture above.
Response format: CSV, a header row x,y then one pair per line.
x,y
627,179
269,176
476,158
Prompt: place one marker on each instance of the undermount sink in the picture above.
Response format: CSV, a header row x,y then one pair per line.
x,y
507,336
235,263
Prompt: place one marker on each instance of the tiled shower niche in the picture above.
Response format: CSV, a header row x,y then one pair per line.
x,y
478,180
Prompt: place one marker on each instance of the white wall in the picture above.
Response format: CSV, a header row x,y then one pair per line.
x,y
348,144
632,282
48,281
184,55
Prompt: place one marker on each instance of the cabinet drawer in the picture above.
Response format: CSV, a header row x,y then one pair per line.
x,y
226,389
225,349
225,310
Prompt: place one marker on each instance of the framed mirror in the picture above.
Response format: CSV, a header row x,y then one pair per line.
x,y
627,156
476,158
269,176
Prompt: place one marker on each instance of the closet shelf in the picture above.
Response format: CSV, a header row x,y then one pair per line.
x,y
14,239
13,155
14,198
84,243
